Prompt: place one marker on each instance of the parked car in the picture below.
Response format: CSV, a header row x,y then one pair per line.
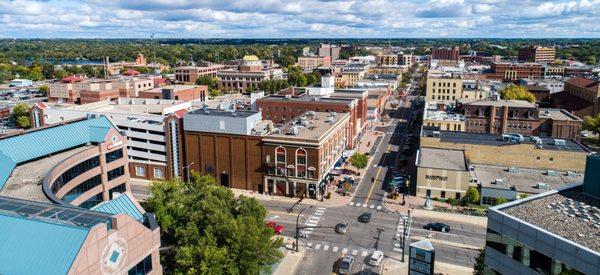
x,y
277,228
346,264
341,228
437,226
364,217
376,258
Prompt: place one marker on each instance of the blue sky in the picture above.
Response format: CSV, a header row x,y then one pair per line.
x,y
298,19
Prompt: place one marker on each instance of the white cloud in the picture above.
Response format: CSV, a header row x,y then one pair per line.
x,y
299,18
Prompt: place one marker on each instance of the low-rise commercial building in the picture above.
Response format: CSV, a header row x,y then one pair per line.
x,y
67,89
555,232
443,87
300,154
581,96
509,71
443,116
332,51
442,173
189,74
250,74
445,53
152,128
309,63
494,149
177,92
536,54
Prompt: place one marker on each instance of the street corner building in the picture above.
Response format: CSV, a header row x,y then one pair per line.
x,y
556,232
65,203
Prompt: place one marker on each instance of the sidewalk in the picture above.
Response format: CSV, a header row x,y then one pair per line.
x,y
396,205
393,267
290,259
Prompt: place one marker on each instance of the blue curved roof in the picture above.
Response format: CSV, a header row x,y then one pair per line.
x,y
121,204
31,145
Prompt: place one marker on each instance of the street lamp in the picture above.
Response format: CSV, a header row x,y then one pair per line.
x,y
297,227
187,170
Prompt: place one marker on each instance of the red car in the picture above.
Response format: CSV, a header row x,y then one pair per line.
x,y
277,228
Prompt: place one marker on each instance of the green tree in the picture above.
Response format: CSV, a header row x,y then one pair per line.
x,y
43,90
359,160
211,82
210,230
517,92
592,124
20,115
500,200
478,266
472,195
453,202
214,93
296,77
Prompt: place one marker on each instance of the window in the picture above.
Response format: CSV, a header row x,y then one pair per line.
x,y
93,201
428,193
457,196
443,194
82,188
119,188
114,155
143,267
280,152
115,173
75,171
301,163
158,173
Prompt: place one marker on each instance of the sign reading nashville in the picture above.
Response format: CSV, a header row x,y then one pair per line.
x,y
440,178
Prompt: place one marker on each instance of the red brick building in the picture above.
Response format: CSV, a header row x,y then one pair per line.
x,y
86,96
508,71
177,92
445,53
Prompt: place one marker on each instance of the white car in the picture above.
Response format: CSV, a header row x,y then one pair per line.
x,y
376,258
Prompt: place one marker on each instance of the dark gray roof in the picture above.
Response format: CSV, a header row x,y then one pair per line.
x,y
306,97
218,112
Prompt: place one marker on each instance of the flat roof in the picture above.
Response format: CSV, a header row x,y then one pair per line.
x,y
307,98
125,105
223,113
569,213
522,180
318,125
498,103
26,179
496,140
442,159
558,114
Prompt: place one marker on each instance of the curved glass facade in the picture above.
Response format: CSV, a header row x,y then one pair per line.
x,y
75,171
82,188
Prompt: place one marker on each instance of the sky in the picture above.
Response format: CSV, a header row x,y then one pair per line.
x,y
299,19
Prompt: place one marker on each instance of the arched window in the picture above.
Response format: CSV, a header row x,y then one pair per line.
x,y
280,160
301,163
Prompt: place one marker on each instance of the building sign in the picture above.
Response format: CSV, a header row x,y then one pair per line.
x,y
114,144
440,178
421,258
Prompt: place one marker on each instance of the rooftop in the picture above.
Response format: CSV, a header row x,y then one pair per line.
x,y
307,98
222,113
432,113
310,126
26,179
125,105
496,140
442,159
585,83
569,213
558,114
521,179
498,103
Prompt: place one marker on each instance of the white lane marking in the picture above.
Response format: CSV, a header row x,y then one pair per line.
x,y
334,249
379,207
351,203
358,204
365,205
372,206
321,208
354,252
345,250
365,253
326,247
309,244
317,246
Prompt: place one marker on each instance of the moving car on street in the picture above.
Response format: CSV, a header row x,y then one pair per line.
x,y
341,228
364,217
376,258
277,228
346,264
437,226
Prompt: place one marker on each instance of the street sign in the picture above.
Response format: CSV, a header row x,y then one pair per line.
x,y
421,258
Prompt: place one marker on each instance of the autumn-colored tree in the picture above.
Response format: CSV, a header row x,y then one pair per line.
x,y
518,93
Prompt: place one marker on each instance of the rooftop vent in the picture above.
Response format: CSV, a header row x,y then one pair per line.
x,y
513,170
560,142
570,174
541,185
499,181
293,131
551,173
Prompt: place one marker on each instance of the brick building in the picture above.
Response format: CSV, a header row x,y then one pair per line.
x,y
508,71
86,96
189,74
445,53
536,54
309,63
250,74
177,92
581,97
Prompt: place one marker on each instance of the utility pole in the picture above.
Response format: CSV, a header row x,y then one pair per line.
x,y
298,228
187,171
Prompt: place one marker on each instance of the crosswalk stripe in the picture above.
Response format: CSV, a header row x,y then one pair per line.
x,y
354,252
326,247
345,250
334,249
317,246
358,204
365,205
309,244
397,249
379,207
321,208
365,253
351,203
372,206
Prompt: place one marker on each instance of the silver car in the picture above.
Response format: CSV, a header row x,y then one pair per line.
x,y
346,264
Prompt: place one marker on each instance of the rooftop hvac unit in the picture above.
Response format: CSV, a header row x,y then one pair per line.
x,y
560,142
513,170
436,133
293,131
311,113
499,181
551,173
541,185
571,174
288,96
